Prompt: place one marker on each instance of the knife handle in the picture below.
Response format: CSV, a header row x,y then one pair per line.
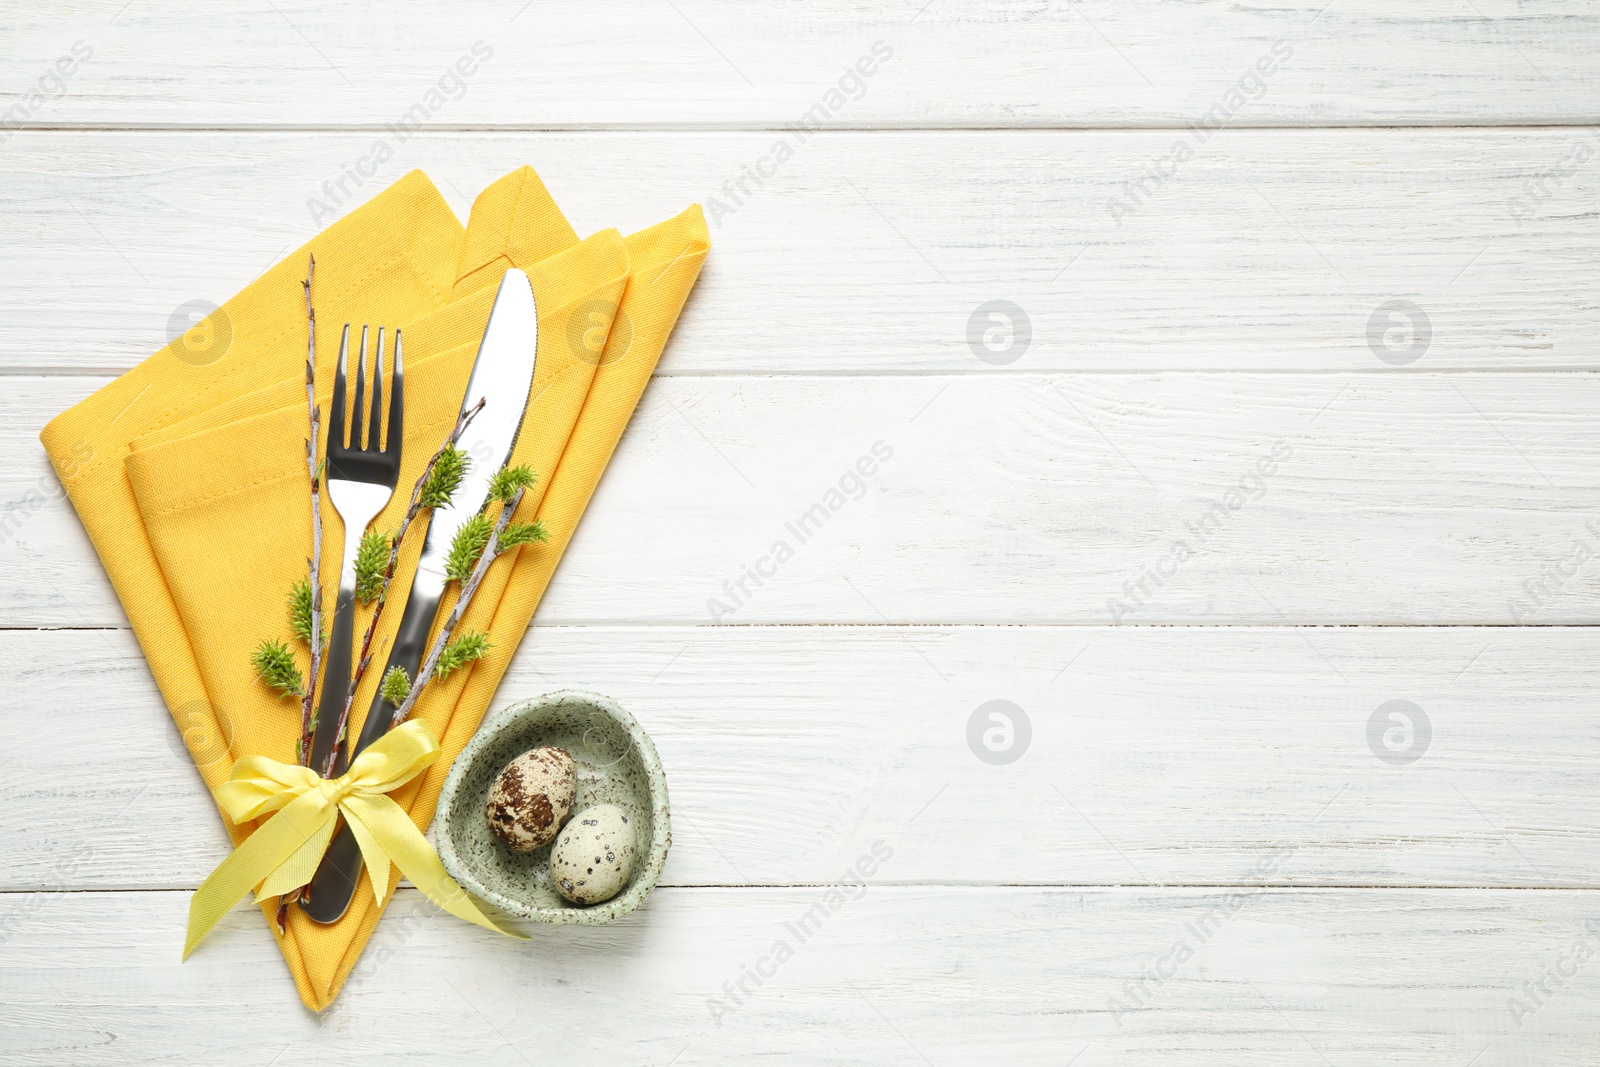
x,y
328,896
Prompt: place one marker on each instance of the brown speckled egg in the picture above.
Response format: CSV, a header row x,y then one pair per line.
x,y
532,798
594,854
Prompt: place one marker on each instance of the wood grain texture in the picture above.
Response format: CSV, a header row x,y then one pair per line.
x,y
1210,852
715,62
1154,755
873,252
1017,499
896,975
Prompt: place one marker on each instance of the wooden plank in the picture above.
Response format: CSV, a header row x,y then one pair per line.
x,y
895,975
1142,755
874,252
1419,498
711,62
1341,902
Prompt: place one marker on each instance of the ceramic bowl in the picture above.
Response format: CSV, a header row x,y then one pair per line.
x,y
617,764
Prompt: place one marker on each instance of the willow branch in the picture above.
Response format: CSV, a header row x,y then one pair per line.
x,y
308,719
308,723
412,511
491,551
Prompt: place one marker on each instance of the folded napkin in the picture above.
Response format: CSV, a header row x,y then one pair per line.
x,y
188,472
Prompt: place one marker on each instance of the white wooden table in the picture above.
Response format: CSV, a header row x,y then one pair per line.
x,y
1344,345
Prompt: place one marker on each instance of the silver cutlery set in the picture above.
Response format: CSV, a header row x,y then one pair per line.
x,y
361,478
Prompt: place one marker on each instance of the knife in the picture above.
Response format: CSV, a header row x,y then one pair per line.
x,y
502,376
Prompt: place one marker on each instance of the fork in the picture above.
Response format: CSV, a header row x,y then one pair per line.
x,y
360,477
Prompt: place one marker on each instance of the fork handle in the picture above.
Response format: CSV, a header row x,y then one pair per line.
x,y
328,896
336,664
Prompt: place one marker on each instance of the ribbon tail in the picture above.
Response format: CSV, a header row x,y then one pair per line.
x,y
297,869
394,831
257,857
358,810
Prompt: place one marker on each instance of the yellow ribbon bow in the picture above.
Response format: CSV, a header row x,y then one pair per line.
x,y
283,853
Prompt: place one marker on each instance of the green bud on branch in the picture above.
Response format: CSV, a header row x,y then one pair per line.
x,y
461,651
300,611
508,481
445,478
276,666
466,547
523,533
396,686
372,560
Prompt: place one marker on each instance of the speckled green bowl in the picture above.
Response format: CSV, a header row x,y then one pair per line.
x,y
617,764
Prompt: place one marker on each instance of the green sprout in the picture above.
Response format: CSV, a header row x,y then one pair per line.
x,y
300,611
445,478
522,533
276,666
396,686
508,481
466,547
459,652
372,559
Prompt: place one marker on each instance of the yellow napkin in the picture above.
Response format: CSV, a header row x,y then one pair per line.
x,y
188,472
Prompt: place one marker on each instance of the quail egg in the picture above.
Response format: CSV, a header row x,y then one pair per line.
x,y
594,855
532,798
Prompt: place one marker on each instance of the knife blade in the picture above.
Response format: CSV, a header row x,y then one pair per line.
x,y
502,376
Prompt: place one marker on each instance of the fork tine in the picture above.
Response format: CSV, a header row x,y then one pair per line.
x,y
336,414
397,393
357,427
375,422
